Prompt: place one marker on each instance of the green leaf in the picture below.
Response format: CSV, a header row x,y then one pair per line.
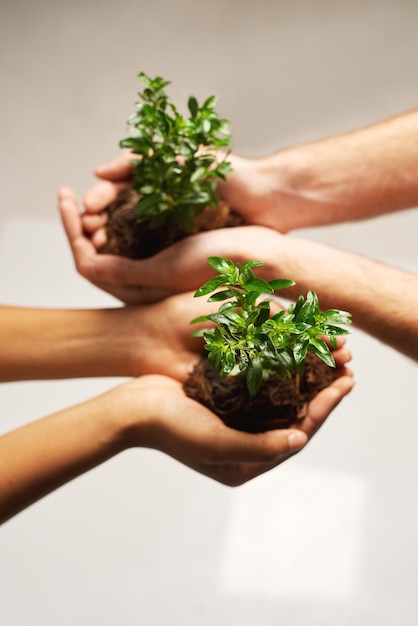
x,y
223,295
261,286
220,264
320,348
147,202
209,103
308,309
228,363
254,376
146,190
196,197
223,169
129,142
300,351
193,106
197,174
201,318
210,286
262,315
198,333
281,283
220,319
250,264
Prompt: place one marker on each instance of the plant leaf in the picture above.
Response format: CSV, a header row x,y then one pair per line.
x,y
259,285
201,318
249,264
210,286
281,283
320,348
254,376
221,265
223,295
193,106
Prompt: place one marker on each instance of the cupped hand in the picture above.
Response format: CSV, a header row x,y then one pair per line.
x,y
157,414
97,269
181,267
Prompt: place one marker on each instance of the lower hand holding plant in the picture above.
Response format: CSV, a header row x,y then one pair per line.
x,y
248,344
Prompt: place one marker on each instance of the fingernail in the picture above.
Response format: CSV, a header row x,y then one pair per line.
x,y
297,440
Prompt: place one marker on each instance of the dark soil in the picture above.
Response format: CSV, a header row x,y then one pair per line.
x,y
136,240
278,404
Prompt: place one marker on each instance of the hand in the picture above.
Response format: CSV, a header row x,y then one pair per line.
x,y
258,189
93,266
167,272
156,338
152,412
165,419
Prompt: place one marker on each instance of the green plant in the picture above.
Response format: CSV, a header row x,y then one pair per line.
x,y
176,174
246,339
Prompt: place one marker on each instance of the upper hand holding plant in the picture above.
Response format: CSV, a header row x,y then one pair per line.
x,y
167,272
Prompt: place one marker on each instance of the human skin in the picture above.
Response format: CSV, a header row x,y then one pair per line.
x,y
371,291
41,343
356,175
152,412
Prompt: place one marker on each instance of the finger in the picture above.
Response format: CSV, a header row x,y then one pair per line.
x,y
69,210
102,194
267,448
117,169
341,357
81,248
93,221
99,238
236,474
325,402
118,270
219,444
84,253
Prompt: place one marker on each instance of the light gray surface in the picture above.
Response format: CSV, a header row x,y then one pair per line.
x,y
329,538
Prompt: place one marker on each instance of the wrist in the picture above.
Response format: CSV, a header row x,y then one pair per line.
x,y
94,343
134,413
109,342
303,188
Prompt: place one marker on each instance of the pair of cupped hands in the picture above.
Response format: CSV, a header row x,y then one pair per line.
x,y
159,296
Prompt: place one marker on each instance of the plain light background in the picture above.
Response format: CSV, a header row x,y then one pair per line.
x,y
330,537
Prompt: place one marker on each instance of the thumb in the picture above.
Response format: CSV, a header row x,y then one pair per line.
x,y
117,169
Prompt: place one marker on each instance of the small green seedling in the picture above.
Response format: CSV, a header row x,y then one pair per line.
x,y
247,340
176,171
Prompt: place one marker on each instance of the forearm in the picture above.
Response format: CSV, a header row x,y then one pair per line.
x,y
353,176
51,344
382,299
40,457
